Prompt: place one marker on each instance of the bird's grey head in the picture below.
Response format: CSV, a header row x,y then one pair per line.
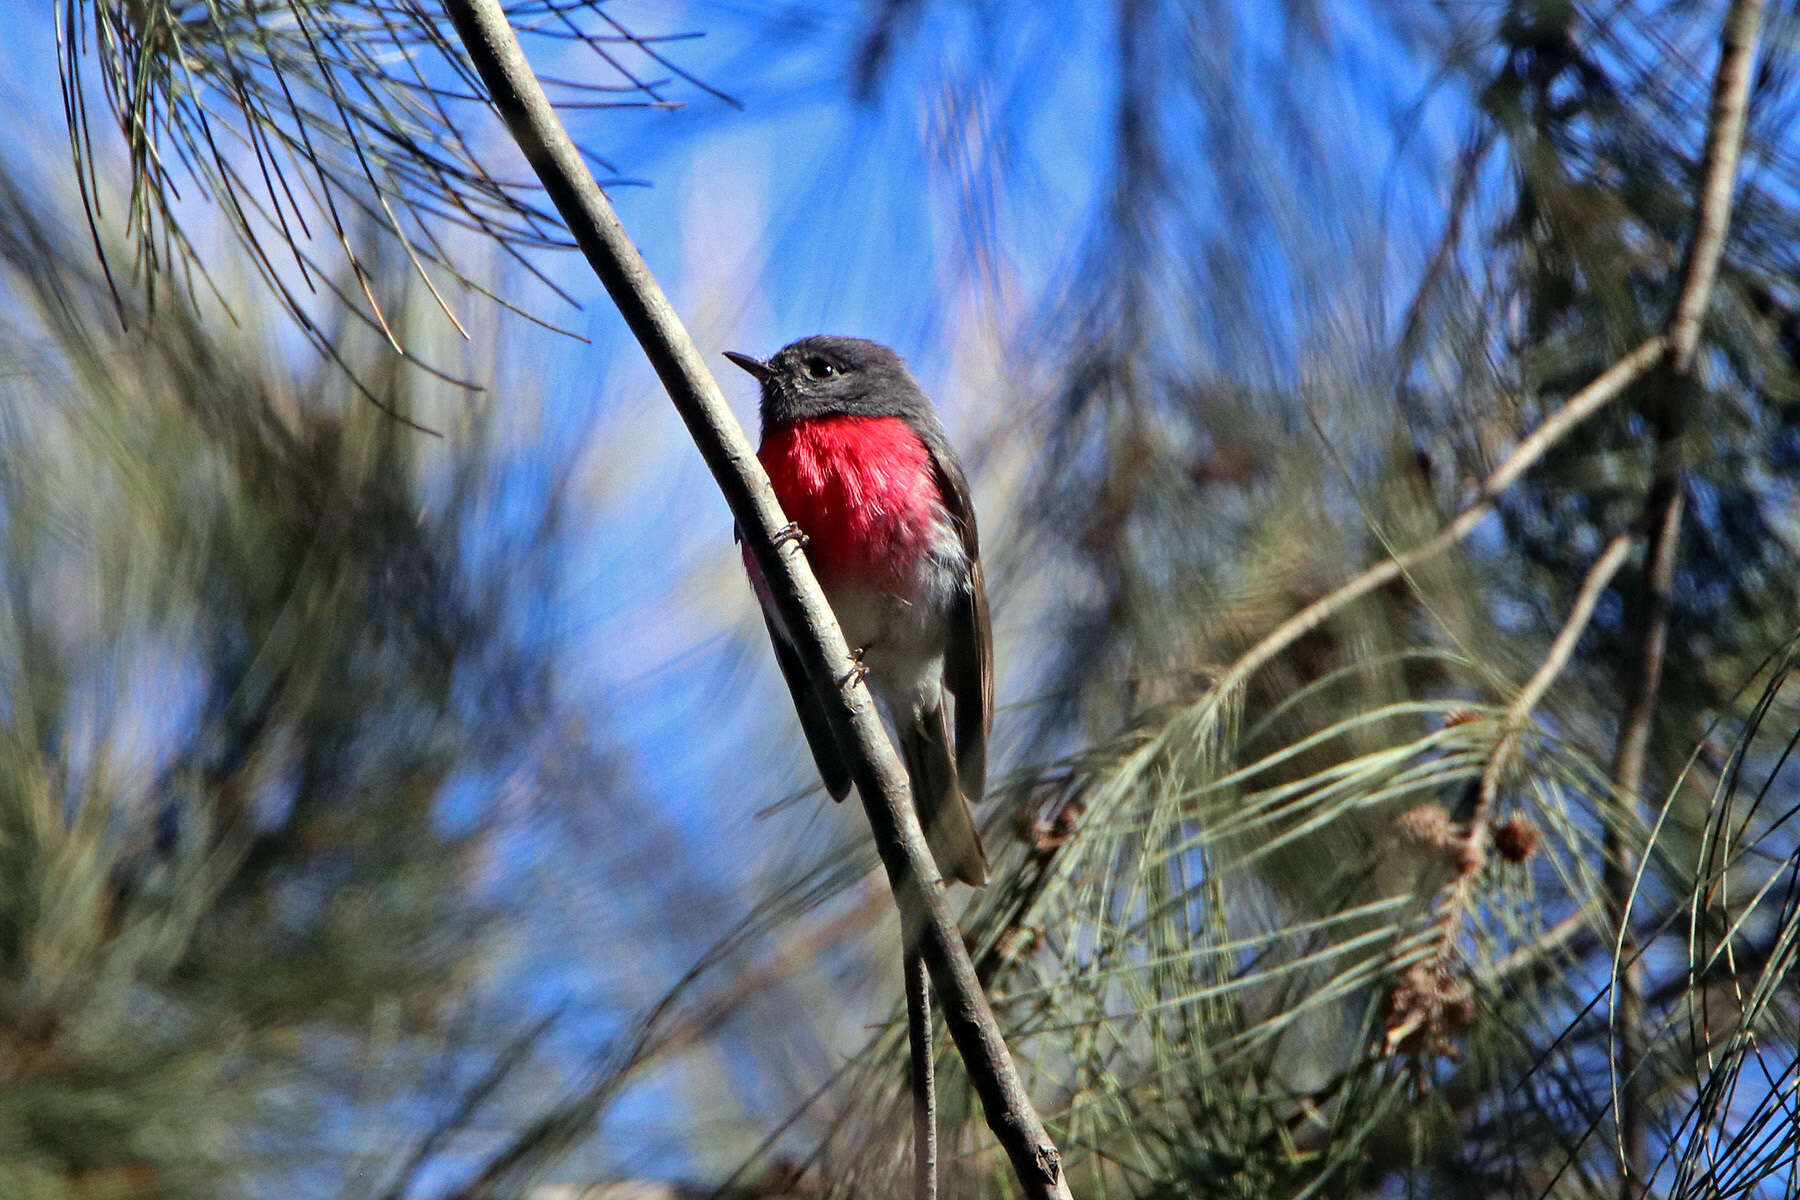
x,y
829,376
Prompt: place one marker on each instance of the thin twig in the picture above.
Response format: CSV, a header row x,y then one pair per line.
x,y
1605,388
471,1102
1664,508
1518,714
923,1077
1457,896
881,782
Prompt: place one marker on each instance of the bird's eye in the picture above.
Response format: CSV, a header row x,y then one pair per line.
x,y
818,368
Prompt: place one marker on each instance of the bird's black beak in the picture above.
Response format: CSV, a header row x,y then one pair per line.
x,y
756,366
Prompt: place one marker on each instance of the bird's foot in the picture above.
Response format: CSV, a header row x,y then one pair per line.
x,y
791,532
858,668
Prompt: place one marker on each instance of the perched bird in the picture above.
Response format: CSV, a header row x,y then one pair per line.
x,y
863,469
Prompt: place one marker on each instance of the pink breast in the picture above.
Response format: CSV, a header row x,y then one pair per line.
x,y
864,491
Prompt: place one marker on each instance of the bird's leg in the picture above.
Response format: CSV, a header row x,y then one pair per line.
x,y
791,532
858,668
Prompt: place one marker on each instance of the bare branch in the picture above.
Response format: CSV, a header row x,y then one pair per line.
x,y
1519,713
1583,404
1620,865
880,780
1724,145
1431,1000
1724,141
1664,508
923,1077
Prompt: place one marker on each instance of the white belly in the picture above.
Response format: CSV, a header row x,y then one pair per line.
x,y
902,641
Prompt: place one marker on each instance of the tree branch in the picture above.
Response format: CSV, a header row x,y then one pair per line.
x,y
1675,344
923,1077
1518,714
880,780
1620,866
1428,1002
1663,509
1724,144
1604,389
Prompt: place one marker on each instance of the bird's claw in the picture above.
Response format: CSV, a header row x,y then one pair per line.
x,y
791,532
858,668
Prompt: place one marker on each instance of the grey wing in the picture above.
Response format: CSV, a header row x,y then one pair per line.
x,y
969,651
813,721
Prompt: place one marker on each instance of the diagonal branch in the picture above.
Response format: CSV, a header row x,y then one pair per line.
x,y
1518,714
880,780
1674,344
1605,388
1425,1004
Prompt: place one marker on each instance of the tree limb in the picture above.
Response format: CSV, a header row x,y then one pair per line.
x,y
1518,714
1676,344
1663,509
1724,144
1620,865
923,1077
880,780
1420,1012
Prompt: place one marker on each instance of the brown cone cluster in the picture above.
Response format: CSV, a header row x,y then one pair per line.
x,y
1515,839
1425,1009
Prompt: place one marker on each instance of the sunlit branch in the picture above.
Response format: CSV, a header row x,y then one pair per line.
x,y
1583,404
1724,145
1429,998
1702,264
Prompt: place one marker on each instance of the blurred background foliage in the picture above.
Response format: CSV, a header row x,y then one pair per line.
x,y
397,800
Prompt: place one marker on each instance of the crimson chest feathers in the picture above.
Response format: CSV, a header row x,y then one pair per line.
x,y
865,492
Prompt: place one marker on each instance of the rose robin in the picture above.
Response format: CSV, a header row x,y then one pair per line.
x,y
863,469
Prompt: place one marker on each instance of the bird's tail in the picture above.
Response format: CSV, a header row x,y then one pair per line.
x,y
943,810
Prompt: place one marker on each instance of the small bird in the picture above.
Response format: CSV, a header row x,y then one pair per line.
x,y
863,469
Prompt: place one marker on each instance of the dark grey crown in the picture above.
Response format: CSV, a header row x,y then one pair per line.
x,y
829,376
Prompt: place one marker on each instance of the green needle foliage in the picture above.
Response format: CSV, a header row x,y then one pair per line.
x,y
305,125
247,659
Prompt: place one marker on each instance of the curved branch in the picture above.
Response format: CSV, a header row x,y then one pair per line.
x,y
880,780
1675,344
